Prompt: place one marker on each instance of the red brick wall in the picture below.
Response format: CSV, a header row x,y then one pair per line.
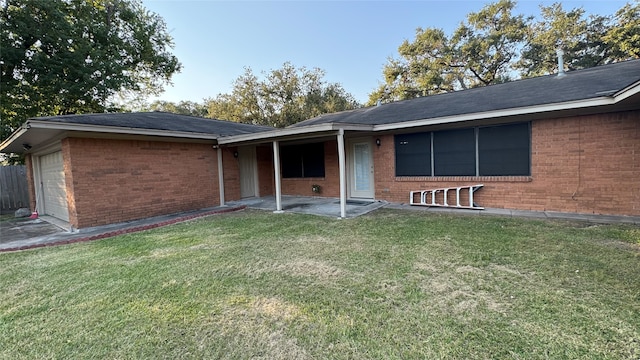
x,y
231,171
266,176
588,164
330,183
120,180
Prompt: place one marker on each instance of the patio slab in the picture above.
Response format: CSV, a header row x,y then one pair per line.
x,y
312,205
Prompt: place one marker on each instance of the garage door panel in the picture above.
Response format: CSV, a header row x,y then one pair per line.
x,y
53,186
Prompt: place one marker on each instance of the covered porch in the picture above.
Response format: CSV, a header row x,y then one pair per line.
x,y
323,206
278,169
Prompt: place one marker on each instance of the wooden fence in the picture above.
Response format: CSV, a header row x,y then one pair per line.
x,y
14,193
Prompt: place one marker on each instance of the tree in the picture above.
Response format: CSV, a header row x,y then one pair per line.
x,y
494,45
285,96
73,56
580,39
624,36
478,53
182,107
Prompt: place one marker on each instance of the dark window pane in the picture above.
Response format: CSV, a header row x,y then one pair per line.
x,y
413,154
454,152
291,162
504,150
313,160
305,160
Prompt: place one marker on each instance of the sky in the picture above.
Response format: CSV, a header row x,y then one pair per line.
x,y
350,40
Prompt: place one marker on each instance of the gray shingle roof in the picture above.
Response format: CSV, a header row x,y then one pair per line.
x,y
159,121
575,85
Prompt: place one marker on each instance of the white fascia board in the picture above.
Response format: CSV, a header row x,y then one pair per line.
x,y
303,130
15,136
630,90
601,101
117,130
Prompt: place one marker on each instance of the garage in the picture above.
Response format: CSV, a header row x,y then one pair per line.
x,y
54,194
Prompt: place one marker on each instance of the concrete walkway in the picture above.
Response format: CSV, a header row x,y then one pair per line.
x,y
29,234
600,219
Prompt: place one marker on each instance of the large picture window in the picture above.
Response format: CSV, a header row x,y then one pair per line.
x,y
454,152
413,154
302,161
502,150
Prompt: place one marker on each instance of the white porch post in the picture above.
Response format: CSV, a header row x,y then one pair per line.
x,y
276,170
343,175
220,176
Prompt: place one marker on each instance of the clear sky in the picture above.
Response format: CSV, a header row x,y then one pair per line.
x,y
349,40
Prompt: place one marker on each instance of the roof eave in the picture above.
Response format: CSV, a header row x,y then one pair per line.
x,y
13,137
278,134
504,113
118,130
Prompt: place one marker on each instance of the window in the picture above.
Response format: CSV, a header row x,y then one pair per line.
x,y
302,161
503,150
454,152
413,154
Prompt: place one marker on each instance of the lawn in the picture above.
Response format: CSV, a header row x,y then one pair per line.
x,y
389,285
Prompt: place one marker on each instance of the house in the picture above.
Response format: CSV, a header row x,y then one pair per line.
x,y
567,143
97,169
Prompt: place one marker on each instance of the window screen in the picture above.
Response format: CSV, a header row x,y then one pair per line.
x,y
504,150
413,154
454,152
300,161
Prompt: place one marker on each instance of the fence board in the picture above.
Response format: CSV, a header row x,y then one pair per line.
x,y
14,192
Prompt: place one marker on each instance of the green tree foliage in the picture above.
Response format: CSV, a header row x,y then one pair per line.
x,y
624,37
494,45
182,107
73,56
478,53
580,39
285,96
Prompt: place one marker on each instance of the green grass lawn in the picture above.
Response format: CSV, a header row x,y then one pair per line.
x,y
393,284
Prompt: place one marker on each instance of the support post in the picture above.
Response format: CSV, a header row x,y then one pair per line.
x,y
343,175
220,176
276,170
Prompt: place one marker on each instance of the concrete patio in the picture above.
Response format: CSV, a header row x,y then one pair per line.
x,y
311,205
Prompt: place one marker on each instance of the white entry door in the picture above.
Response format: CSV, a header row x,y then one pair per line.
x,y
361,169
248,170
54,192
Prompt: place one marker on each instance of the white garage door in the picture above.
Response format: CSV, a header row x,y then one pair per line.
x,y
53,186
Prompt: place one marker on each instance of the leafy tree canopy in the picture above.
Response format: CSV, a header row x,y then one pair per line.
x,y
182,107
73,56
283,97
494,45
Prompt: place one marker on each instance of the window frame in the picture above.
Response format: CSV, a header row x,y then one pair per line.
x,y
477,152
295,159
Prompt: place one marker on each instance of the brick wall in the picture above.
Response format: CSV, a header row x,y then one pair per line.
x,y
231,171
266,177
587,164
119,180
